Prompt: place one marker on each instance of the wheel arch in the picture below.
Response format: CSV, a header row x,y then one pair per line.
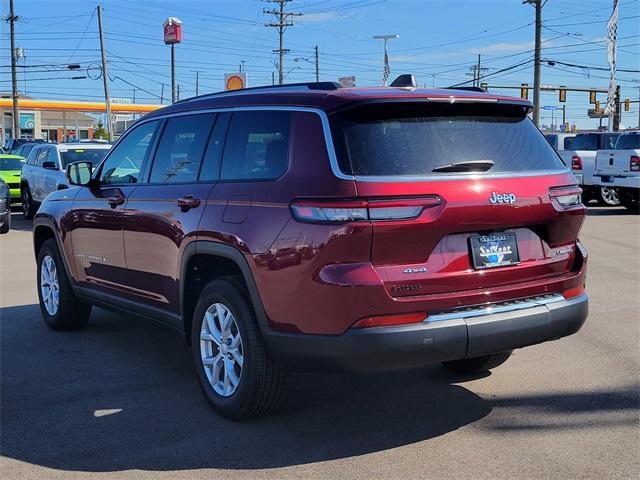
x,y
44,228
218,260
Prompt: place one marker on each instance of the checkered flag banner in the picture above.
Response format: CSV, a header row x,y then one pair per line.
x,y
387,70
612,37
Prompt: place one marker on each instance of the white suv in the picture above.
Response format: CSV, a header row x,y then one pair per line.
x,y
44,171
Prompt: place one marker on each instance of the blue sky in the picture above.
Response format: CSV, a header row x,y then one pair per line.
x,y
439,41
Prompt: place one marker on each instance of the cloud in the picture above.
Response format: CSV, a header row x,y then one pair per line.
x,y
504,47
320,17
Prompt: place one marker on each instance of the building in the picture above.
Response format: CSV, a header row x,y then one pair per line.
x,y
49,125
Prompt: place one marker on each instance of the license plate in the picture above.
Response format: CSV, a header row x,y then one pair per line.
x,y
495,250
607,179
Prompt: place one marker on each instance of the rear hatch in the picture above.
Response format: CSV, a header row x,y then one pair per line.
x,y
619,160
461,196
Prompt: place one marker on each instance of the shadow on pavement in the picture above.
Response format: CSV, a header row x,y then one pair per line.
x,y
18,222
121,394
608,211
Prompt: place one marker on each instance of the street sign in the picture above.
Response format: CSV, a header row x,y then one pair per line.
x,y
596,113
122,117
347,82
550,107
235,81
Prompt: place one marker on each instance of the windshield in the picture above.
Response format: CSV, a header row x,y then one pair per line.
x,y
420,139
11,163
93,155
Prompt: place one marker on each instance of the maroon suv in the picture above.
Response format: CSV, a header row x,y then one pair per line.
x,y
315,227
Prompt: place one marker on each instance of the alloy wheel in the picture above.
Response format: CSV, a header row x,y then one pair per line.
x,y
221,349
610,196
49,286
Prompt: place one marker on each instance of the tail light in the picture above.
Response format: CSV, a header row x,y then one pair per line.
x,y
634,163
564,197
573,292
576,163
390,320
375,209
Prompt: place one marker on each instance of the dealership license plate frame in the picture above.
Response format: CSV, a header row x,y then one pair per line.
x,y
504,246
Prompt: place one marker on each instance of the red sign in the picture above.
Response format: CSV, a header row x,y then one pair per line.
x,y
172,32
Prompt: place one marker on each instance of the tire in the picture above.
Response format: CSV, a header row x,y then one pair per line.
x,y
630,199
259,388
608,197
69,313
7,224
28,207
478,364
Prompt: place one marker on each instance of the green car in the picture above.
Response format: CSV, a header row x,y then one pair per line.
x,y
10,168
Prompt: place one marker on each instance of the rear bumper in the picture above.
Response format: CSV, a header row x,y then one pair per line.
x,y
451,336
618,181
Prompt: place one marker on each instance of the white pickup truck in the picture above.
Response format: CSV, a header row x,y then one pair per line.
x,y
620,168
582,158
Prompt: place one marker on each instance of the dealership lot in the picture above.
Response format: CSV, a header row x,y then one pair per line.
x,y
119,399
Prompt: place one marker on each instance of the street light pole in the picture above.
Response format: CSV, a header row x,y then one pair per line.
x,y
317,64
386,70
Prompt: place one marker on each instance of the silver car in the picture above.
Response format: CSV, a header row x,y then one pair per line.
x,y
44,171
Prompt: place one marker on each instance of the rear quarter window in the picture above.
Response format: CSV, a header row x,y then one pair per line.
x,y
414,139
628,142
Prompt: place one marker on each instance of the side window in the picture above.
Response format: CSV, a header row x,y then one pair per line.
x,y
257,145
179,153
213,155
42,156
125,160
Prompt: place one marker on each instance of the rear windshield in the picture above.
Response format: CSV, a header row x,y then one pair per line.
x,y
628,142
11,163
93,155
386,139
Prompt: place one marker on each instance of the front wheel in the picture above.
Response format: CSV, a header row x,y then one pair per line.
x,y
59,306
478,364
235,372
28,207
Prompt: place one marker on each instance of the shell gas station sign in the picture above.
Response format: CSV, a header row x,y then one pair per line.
x,y
235,81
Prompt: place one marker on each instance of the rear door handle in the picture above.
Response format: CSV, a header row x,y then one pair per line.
x,y
187,202
115,200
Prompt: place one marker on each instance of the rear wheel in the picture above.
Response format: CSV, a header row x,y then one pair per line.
x,y
7,223
609,197
478,364
236,374
630,199
59,306
28,207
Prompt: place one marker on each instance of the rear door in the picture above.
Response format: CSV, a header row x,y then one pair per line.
x,y
459,196
163,213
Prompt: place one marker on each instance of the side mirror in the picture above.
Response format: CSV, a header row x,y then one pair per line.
x,y
49,165
79,173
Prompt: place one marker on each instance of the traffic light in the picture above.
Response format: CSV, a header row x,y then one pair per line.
x,y
524,91
627,104
592,97
562,97
484,86
597,105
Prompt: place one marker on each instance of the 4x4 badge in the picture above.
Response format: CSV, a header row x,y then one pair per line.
x,y
509,198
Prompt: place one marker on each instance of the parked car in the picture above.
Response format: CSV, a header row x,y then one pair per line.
x,y
582,158
560,141
620,168
13,144
437,226
10,170
44,171
5,207
25,149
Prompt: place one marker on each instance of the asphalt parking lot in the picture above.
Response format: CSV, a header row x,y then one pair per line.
x,y
119,399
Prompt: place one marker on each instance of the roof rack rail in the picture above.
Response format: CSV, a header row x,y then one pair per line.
x,y
328,86
468,89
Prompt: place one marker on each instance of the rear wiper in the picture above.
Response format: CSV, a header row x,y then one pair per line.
x,y
469,166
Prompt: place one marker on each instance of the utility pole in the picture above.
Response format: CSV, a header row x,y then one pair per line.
x,y
477,72
536,59
317,63
197,82
282,22
12,19
162,94
105,74
178,95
